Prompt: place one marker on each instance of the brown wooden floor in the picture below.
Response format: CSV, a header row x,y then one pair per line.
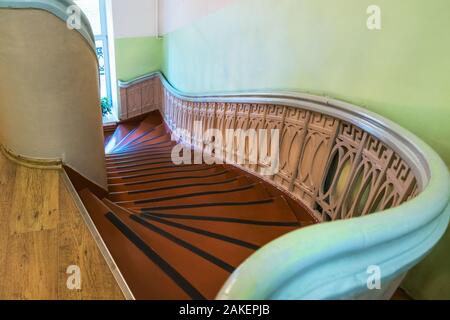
x,y
41,234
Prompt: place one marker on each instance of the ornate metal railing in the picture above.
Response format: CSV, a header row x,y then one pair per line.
x,y
385,190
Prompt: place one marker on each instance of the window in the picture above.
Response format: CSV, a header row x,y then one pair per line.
x,y
95,10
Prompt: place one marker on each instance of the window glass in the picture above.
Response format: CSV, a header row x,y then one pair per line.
x,y
91,9
96,13
100,47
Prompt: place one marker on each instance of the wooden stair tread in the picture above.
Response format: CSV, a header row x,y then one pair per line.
x,y
220,175
118,170
191,262
153,133
248,193
255,235
143,276
157,167
150,142
167,173
192,267
139,160
179,189
145,126
164,146
271,209
232,254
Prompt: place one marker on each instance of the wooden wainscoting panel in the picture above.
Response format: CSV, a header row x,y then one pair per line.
x,y
123,114
134,101
148,96
141,98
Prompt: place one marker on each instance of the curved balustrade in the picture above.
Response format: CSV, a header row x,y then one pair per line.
x,y
384,191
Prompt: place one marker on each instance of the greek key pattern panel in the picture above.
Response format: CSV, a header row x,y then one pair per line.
x,y
220,117
342,164
240,143
256,122
399,185
318,142
292,144
229,125
274,121
210,122
367,180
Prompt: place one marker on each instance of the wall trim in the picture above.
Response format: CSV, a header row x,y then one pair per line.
x,y
34,163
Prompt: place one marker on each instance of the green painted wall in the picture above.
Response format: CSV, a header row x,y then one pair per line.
x,y
324,47
431,278
137,56
402,72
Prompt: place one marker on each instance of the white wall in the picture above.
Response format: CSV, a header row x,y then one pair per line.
x,y
114,116
141,18
135,18
174,14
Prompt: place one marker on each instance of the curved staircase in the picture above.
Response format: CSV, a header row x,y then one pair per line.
x,y
380,194
179,231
